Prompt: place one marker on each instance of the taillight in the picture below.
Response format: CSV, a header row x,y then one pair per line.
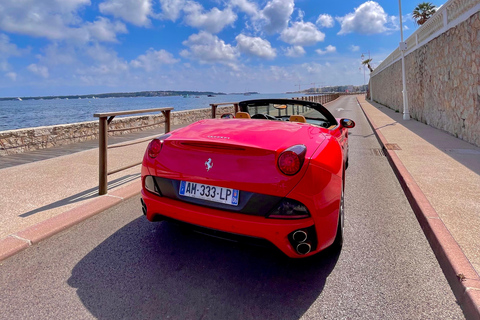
x,y
156,145
291,160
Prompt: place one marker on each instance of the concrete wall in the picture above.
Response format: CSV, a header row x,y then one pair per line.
x,y
443,81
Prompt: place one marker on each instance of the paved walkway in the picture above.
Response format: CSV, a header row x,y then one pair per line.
x,y
441,176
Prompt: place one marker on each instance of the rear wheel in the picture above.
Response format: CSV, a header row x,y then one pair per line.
x,y
338,242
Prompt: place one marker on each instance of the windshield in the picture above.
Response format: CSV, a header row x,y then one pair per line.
x,y
283,109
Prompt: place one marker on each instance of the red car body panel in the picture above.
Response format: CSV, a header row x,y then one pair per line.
x,y
245,154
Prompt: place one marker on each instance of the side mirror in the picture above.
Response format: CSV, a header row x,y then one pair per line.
x,y
227,116
347,123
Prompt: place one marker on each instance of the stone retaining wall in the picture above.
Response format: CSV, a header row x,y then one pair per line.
x,y
443,82
22,140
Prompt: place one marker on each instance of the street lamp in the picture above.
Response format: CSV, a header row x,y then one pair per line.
x,y
403,47
363,57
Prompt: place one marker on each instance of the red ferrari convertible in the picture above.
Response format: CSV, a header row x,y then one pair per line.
x,y
272,173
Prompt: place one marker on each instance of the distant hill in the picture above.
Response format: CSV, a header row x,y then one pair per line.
x,y
122,95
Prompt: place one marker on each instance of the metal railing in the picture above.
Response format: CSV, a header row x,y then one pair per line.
x,y
104,121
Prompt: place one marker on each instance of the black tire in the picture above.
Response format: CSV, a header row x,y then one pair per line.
x,y
338,242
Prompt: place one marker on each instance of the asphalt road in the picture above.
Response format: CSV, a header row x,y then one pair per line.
x,y
117,265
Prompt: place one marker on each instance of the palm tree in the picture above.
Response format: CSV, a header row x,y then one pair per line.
x,y
423,12
367,63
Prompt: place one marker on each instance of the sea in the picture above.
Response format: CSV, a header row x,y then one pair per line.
x,y
18,114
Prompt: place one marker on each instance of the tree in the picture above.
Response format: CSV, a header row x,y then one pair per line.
x,y
367,63
423,12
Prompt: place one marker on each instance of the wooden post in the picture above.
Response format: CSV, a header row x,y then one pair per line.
x,y
214,110
166,115
102,149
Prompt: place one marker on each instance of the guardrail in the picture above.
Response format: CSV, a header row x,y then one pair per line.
x,y
320,98
104,120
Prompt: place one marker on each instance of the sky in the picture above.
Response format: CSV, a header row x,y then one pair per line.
x,y
62,47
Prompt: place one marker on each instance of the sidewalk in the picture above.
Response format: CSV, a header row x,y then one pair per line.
x,y
440,175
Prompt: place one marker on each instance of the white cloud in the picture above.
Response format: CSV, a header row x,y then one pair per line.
x,y
277,15
302,34
47,18
171,9
207,48
325,20
56,54
328,49
56,20
38,70
12,76
249,8
153,59
212,21
301,14
354,48
100,53
8,49
104,30
295,51
368,18
133,11
255,46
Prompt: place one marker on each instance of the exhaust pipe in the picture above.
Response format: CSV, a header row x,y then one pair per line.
x,y
300,236
303,248
144,207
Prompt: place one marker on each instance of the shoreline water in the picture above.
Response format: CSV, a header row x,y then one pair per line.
x,y
38,113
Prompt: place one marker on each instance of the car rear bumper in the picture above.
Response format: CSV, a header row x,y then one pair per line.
x,y
276,231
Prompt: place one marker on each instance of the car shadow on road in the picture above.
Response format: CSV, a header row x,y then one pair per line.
x,y
164,271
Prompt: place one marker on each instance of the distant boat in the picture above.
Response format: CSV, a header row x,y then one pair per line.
x,y
210,95
19,99
197,96
246,94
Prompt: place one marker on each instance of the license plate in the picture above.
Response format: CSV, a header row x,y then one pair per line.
x,y
210,193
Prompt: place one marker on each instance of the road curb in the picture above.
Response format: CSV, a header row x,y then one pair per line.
x,y
26,238
458,271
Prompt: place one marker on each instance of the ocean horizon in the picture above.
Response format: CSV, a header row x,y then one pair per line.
x,y
18,114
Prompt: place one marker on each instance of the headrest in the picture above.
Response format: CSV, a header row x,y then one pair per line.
x,y
242,115
298,118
